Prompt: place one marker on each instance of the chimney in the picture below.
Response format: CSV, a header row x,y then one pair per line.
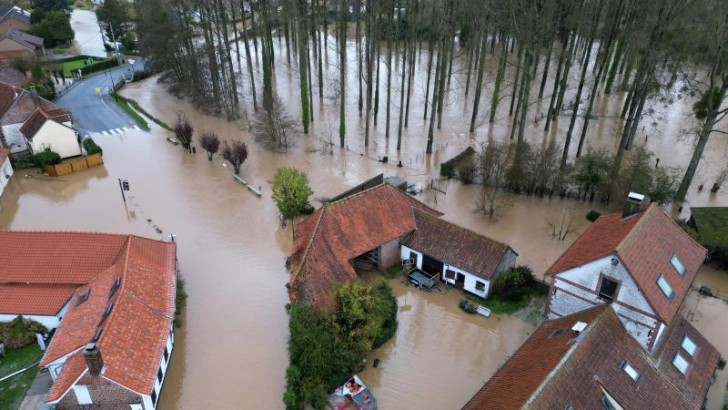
x,y
93,359
634,204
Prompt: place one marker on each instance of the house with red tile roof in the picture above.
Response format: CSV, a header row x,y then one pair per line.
x,y
44,123
389,227
588,360
639,262
6,169
111,299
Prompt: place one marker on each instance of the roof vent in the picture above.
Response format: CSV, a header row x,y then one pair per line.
x,y
579,327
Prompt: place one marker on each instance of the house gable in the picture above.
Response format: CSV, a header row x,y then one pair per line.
x,y
57,137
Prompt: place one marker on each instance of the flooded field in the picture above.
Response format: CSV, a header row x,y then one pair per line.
x,y
87,39
232,347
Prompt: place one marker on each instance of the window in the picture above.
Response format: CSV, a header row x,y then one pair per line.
x,y
450,274
558,332
160,374
115,286
665,287
608,289
607,402
154,397
107,311
688,345
680,363
677,265
98,334
479,285
83,397
83,297
166,354
630,370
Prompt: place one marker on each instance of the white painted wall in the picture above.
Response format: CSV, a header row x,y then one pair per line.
x,y
404,253
14,138
470,281
6,172
163,364
59,138
633,310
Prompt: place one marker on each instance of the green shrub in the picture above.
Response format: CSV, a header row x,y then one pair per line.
x,y
593,215
46,157
20,332
467,306
91,147
514,284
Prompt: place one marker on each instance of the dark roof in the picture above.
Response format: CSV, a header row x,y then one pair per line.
x,y
645,243
4,152
577,371
26,40
454,245
711,224
9,11
31,126
328,239
513,384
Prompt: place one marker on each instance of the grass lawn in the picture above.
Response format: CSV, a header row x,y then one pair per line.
x,y
12,390
124,105
74,65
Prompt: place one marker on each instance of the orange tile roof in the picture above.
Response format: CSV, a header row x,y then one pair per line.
x,y
17,104
327,240
645,243
44,300
60,264
555,371
73,369
455,245
34,123
4,152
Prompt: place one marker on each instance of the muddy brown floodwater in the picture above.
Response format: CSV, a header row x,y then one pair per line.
x,y
231,350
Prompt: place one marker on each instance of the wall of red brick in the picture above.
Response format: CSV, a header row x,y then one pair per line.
x,y
389,254
104,394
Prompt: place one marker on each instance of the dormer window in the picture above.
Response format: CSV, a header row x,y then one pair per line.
x,y
83,297
630,370
115,286
107,311
665,287
675,261
97,335
680,363
688,345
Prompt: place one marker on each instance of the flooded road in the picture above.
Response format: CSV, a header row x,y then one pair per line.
x,y
231,349
87,39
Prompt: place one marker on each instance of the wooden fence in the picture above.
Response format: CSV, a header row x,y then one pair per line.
x,y
74,165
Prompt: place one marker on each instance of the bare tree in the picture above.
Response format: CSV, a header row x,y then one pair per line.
x,y
492,166
235,153
183,130
274,127
210,143
566,225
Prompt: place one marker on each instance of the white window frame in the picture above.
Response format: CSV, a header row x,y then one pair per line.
x,y
631,371
680,363
677,264
665,287
689,346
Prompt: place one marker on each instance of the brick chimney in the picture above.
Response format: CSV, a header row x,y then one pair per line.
x,y
634,204
94,361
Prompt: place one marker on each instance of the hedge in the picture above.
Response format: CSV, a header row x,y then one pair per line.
x,y
20,332
105,65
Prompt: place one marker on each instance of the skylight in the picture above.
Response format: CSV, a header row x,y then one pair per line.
x,y
665,287
680,363
630,370
675,261
115,286
83,297
688,345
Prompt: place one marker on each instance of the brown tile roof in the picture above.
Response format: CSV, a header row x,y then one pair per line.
x,y
73,369
17,104
554,372
45,300
327,240
455,245
513,384
645,243
26,40
4,152
31,126
134,334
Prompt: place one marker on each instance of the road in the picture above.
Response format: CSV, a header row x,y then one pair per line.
x,y
95,112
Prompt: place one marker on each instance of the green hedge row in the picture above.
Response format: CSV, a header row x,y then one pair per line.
x,y
105,65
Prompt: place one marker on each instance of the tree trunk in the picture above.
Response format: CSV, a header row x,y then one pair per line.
x,y
303,64
431,51
498,80
248,58
435,98
479,83
546,69
550,115
514,94
342,75
525,92
401,96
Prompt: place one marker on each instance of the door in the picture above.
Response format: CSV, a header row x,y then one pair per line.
x,y
432,266
413,259
460,281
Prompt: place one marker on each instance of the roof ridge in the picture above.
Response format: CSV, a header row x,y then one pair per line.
x,y
355,194
310,241
122,287
641,221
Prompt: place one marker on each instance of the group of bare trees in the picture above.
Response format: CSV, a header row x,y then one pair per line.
x,y
564,52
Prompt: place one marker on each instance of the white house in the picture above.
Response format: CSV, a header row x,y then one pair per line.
x,y
639,261
460,257
6,170
114,296
51,130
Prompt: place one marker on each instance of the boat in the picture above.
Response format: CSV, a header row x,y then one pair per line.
x,y
353,393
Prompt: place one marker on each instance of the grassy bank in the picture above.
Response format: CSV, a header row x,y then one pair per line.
x,y
124,105
12,390
131,102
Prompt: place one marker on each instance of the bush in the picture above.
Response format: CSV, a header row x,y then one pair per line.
x,y
91,147
467,306
514,284
104,65
20,332
593,215
46,157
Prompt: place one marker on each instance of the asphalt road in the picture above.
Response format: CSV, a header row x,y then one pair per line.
x,y
96,112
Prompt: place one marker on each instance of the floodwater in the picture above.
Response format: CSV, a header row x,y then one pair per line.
x,y
231,349
87,39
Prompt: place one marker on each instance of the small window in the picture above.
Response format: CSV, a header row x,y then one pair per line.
x,y
479,286
680,363
107,312
677,265
115,286
83,297
630,370
450,274
154,397
688,345
558,332
166,354
607,402
665,287
608,290
160,374
98,334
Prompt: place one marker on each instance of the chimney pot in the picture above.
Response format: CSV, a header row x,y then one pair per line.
x,y
94,361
